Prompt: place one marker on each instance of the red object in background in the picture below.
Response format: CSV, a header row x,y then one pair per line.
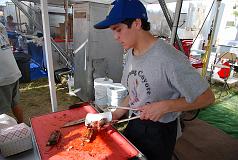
x,y
196,63
224,72
187,44
107,144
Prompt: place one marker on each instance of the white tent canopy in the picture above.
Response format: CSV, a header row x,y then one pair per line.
x,y
57,2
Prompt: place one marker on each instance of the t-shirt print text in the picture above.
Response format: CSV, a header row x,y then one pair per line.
x,y
136,79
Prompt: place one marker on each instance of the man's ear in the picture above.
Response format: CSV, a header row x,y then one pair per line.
x,y
137,23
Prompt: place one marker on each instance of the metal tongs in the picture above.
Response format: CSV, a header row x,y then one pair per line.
x,y
82,120
127,108
124,120
127,119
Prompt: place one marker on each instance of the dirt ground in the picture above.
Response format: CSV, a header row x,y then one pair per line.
x,y
35,98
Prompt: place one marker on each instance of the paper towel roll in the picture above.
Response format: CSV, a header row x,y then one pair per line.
x,y
91,117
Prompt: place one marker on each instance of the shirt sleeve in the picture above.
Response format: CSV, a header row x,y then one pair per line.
x,y
187,81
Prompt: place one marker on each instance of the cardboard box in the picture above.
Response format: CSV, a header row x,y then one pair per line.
x,y
15,139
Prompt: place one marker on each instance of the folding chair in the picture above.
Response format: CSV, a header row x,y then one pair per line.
x,y
225,64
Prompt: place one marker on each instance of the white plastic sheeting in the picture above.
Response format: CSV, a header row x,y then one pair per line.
x,y
159,25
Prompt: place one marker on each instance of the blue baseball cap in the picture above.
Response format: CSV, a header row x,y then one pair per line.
x,y
122,10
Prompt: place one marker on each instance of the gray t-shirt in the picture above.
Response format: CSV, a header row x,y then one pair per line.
x,y
162,73
9,71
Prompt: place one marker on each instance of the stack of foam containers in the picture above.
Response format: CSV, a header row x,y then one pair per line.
x,y
100,86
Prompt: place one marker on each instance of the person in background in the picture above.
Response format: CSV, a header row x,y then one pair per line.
x,y
10,25
2,19
3,29
9,78
160,80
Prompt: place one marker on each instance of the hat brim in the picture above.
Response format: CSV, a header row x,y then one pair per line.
x,y
107,23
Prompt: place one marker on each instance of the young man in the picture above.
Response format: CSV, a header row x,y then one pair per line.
x,y
9,76
160,81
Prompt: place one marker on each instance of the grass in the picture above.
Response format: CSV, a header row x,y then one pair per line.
x,y
35,98
223,114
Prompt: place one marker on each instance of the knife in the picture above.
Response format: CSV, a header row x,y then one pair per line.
x,y
72,123
79,104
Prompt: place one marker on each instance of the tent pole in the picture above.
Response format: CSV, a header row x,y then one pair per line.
x,y
206,57
170,22
176,20
66,5
48,50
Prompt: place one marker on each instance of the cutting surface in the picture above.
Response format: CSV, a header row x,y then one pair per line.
x,y
107,144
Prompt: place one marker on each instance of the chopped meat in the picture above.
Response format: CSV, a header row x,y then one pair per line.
x,y
89,134
93,128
